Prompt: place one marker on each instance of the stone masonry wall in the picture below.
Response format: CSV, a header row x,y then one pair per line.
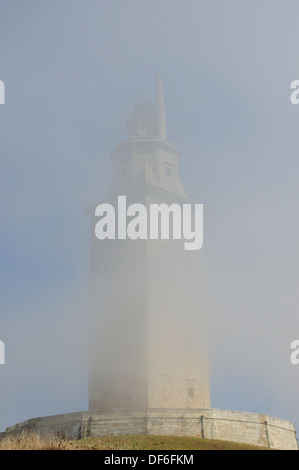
x,y
250,428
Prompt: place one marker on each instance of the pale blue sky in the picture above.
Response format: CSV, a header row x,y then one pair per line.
x,y
73,69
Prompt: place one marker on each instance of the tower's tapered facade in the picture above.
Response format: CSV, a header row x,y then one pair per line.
x,y
147,296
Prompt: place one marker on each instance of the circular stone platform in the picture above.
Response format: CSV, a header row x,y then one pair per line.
x,y
250,428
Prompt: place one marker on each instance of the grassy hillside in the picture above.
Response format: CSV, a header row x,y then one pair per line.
x,y
138,442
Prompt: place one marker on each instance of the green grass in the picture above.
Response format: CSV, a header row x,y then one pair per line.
x,y
136,442
148,442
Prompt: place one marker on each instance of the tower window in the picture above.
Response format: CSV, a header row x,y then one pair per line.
x,y
167,387
190,390
168,171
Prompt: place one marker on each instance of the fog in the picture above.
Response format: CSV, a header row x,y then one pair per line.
x,y
72,71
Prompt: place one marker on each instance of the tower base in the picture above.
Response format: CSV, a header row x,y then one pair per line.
x,y
249,428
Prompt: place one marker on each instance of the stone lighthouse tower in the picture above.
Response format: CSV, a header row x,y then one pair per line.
x,y
147,296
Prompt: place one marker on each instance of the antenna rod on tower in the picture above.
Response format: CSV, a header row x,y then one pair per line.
x,y
160,109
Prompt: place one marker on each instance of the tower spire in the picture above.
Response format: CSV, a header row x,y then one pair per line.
x,y
160,109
